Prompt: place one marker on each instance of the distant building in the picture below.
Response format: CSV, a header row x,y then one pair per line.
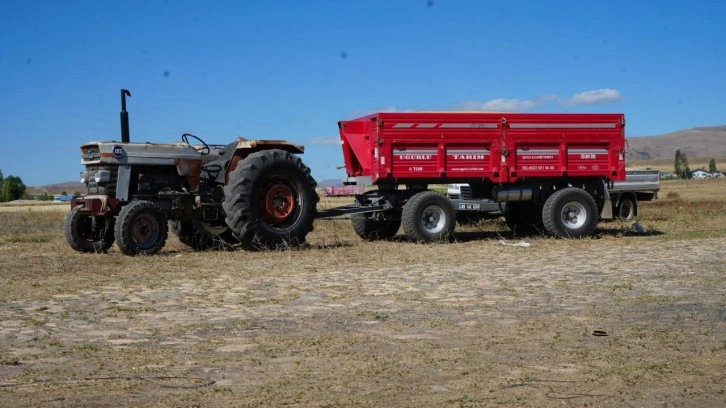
x,y
62,198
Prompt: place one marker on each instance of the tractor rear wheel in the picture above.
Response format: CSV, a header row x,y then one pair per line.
x,y
88,233
270,200
372,228
429,216
141,228
200,236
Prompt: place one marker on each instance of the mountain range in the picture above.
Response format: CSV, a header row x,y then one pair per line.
x,y
698,143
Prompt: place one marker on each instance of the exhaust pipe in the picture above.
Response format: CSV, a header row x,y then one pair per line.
x,y
124,117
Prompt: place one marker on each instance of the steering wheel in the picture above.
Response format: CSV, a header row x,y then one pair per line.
x,y
204,150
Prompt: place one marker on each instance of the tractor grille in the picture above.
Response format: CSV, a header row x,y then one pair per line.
x,y
102,188
90,153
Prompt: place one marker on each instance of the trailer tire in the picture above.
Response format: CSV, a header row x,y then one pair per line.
x,y
199,236
371,229
626,209
270,200
570,213
429,216
141,228
81,234
524,218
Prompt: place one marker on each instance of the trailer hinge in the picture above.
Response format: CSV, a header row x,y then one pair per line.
x,y
622,121
505,123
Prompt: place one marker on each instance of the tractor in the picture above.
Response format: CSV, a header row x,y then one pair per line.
x,y
256,194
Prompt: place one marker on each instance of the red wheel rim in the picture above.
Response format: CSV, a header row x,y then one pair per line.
x,y
278,202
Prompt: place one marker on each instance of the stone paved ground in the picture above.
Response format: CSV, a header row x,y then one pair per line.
x,y
474,323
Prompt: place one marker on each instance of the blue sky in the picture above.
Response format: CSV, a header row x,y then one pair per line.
x,y
292,69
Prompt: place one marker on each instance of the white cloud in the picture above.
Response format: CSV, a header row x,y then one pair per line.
x,y
507,105
594,97
333,140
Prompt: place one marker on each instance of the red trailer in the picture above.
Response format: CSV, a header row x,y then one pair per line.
x,y
553,170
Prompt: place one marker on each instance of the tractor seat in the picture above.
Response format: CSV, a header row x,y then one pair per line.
x,y
215,163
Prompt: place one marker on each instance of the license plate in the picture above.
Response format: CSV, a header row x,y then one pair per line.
x,y
466,206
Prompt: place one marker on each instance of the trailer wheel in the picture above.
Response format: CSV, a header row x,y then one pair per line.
x,y
200,236
88,233
524,218
372,229
141,228
570,213
428,216
270,200
626,209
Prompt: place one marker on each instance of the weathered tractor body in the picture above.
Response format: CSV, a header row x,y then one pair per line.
x,y
258,194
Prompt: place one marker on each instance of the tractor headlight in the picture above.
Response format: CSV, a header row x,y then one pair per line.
x,y
102,176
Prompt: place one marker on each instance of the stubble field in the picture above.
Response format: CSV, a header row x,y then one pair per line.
x,y
619,319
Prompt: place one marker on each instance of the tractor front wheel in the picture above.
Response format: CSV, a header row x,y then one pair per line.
x,y
88,233
141,228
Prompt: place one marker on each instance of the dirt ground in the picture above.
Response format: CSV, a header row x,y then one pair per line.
x,y
620,319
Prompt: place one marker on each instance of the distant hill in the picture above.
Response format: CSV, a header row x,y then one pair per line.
x,y
69,187
330,183
696,143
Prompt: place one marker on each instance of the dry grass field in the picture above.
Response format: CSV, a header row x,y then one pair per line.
x,y
618,319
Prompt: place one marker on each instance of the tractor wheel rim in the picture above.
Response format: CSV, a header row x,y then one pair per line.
x,y
433,219
145,230
278,203
574,215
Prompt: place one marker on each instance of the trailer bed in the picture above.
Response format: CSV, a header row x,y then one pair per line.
x,y
394,148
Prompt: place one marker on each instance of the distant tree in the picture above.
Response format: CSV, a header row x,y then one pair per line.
x,y
681,165
45,197
712,166
13,188
64,193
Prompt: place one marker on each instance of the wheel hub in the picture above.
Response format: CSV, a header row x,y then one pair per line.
x,y
144,230
279,203
574,215
433,219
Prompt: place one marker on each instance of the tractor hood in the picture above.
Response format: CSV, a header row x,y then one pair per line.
x,y
137,153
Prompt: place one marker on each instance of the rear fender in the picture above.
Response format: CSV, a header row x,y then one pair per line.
x,y
246,147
